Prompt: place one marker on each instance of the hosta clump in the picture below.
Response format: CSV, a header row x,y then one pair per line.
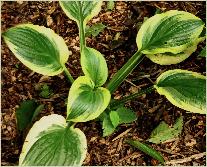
x,y
53,140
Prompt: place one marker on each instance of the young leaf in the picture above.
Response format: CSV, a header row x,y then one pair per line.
x,y
203,52
184,89
107,126
81,10
85,101
146,149
94,66
37,111
110,5
94,30
126,115
170,58
163,132
114,117
25,113
172,31
38,48
51,143
45,91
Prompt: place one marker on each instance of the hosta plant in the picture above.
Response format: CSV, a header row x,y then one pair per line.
x,y
166,38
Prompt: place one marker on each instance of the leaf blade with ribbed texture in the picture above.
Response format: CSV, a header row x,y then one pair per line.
x,y
38,48
51,143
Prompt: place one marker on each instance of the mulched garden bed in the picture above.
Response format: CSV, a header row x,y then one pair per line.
x,y
19,83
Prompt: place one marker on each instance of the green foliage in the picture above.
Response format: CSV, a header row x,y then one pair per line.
x,y
46,92
112,120
146,149
26,113
110,5
163,132
203,52
51,142
184,89
94,30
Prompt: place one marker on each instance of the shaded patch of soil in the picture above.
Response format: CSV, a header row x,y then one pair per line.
x,y
19,83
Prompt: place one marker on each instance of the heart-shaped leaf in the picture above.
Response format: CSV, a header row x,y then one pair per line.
x,y
51,143
184,89
85,101
172,31
38,48
81,11
170,58
94,66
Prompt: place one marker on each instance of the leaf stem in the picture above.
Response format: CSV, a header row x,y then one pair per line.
x,y
133,96
125,71
81,29
68,75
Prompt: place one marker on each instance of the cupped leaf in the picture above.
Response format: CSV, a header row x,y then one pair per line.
x,y
51,143
94,66
146,149
85,101
114,117
81,11
163,132
172,31
37,47
184,89
170,58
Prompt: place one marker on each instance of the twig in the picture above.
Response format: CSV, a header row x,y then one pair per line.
x,y
187,159
122,134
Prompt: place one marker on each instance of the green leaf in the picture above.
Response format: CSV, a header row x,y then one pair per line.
x,y
38,48
94,30
184,89
45,91
172,31
114,117
170,58
203,52
163,132
94,66
81,10
146,149
110,5
85,101
51,143
126,115
107,126
26,113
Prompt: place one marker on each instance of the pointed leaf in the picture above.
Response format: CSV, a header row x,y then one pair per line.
x,y
126,115
25,113
170,58
146,149
184,89
38,48
51,143
163,132
94,66
107,126
172,31
114,117
85,102
81,10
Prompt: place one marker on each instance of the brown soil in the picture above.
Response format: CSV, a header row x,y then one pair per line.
x,y
19,83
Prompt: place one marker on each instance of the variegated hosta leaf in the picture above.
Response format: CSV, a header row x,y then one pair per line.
x,y
85,101
94,66
170,58
172,31
37,47
51,143
184,89
81,10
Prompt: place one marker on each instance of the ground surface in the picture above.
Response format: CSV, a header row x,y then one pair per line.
x,y
19,83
